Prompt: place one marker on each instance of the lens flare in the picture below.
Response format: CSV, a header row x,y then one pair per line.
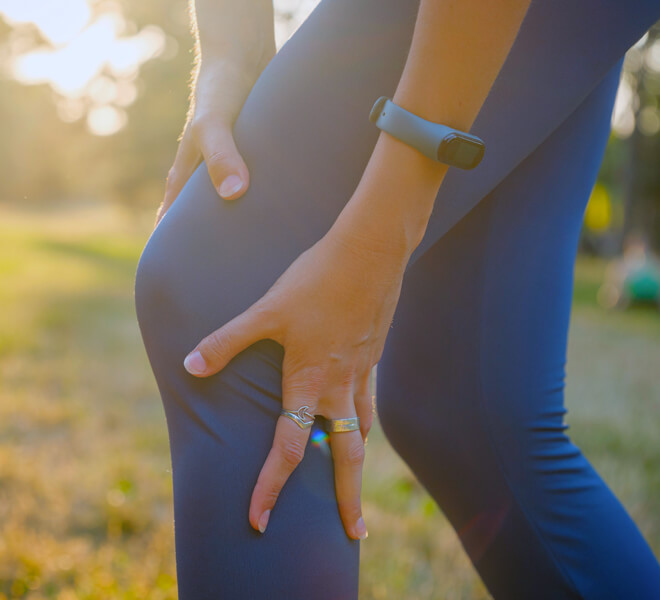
x,y
320,439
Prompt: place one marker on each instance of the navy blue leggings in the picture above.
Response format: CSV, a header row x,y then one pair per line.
x,y
470,386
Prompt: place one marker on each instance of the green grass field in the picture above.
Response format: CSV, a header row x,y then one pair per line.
x,y
85,480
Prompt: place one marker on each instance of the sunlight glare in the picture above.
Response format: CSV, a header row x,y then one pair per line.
x,y
105,120
623,115
71,68
89,61
58,21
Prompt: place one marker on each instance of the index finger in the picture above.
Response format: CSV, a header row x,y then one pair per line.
x,y
188,156
285,455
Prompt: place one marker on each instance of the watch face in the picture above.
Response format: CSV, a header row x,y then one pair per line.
x,y
461,151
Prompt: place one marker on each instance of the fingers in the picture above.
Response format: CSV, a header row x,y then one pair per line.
x,y
186,160
286,454
301,390
226,167
348,456
214,142
214,352
288,446
364,405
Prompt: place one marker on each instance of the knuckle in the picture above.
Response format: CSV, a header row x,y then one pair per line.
x,y
349,509
220,158
197,124
354,455
292,452
367,423
264,309
301,388
305,382
270,496
264,315
217,345
171,182
345,380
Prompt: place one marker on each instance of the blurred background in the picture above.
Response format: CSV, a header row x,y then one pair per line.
x,y
93,95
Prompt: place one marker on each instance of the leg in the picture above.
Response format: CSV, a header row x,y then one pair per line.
x,y
306,138
208,260
472,375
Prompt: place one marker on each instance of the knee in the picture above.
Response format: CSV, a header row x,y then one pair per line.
x,y
418,421
153,285
181,293
465,421
157,307
147,283
166,298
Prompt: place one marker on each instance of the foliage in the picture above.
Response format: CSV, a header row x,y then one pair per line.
x,y
630,172
85,481
46,160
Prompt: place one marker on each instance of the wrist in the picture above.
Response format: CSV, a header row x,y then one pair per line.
x,y
369,248
239,32
219,68
219,89
393,202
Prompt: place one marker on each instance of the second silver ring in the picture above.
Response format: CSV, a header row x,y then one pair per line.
x,y
342,425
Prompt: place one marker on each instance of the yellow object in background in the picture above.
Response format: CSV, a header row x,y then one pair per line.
x,y
598,216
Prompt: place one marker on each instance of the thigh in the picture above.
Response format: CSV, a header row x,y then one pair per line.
x,y
473,376
306,138
305,135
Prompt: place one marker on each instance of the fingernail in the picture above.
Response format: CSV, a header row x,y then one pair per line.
x,y
263,520
195,363
230,186
361,529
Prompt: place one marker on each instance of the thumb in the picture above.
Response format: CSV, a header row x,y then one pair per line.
x,y
214,352
226,166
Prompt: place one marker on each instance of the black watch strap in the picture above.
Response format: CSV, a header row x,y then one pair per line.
x,y
438,142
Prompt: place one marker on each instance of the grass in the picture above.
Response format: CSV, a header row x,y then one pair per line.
x,y
85,481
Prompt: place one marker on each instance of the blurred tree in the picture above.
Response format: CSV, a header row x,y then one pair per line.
x,y
52,150
630,174
49,152
641,181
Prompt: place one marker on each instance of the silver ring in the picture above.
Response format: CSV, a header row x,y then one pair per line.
x,y
342,425
300,417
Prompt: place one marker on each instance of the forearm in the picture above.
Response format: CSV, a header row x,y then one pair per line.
x,y
457,51
238,31
234,41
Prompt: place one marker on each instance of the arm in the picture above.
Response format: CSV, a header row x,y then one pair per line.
x,y
234,41
465,42
241,33
332,308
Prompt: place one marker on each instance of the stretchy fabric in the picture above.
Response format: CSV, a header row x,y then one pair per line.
x,y
470,386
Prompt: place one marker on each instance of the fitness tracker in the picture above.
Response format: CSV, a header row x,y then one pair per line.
x,y
438,142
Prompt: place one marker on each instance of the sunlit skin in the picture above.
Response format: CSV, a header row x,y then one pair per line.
x,y
332,308
234,43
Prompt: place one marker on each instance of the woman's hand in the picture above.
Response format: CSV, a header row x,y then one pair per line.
x,y
331,311
219,92
234,41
